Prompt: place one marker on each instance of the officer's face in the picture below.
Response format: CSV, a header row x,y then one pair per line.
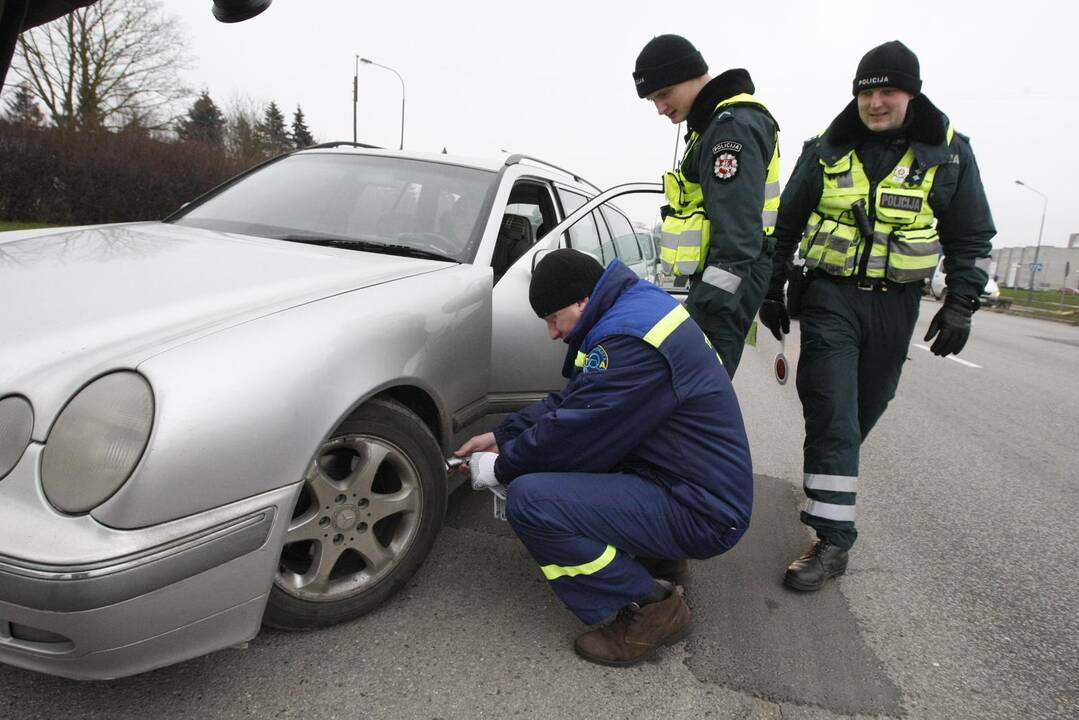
x,y
561,322
883,108
674,101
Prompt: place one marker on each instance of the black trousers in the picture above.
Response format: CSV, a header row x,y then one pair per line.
x,y
854,343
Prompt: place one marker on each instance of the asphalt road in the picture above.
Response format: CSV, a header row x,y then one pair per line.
x,y
961,600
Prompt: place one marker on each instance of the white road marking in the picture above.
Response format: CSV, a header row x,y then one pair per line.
x,y
961,361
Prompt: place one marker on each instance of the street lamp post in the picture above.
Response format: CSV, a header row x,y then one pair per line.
x,y
355,95
387,67
1038,247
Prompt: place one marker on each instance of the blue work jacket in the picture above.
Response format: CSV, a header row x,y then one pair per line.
x,y
664,411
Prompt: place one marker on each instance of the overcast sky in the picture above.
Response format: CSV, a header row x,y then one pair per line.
x,y
553,79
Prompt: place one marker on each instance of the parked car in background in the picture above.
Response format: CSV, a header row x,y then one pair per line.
x,y
937,288
240,414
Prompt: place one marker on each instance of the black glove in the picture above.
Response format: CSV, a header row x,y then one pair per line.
x,y
773,314
952,322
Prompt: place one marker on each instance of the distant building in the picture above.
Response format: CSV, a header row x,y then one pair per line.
x,y
1058,267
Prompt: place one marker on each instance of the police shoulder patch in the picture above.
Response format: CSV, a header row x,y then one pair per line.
x,y
729,145
725,160
597,360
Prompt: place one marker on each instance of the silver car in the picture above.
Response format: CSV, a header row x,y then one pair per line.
x,y
239,415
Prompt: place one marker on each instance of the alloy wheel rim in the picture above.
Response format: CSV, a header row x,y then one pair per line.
x,y
357,515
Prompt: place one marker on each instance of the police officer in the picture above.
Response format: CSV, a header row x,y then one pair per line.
x,y
722,197
643,454
871,204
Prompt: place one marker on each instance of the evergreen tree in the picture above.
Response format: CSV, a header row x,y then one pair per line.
x,y
22,109
136,124
204,123
301,136
271,131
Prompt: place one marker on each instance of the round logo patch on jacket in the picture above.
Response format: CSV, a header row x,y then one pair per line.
x,y
597,360
725,159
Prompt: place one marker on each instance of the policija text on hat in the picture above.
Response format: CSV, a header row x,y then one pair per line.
x,y
871,204
722,196
640,462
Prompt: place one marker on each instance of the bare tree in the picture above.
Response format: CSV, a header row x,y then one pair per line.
x,y
102,65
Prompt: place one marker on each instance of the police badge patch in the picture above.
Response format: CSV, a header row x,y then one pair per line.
x,y
597,360
725,160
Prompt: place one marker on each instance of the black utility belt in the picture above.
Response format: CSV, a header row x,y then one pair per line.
x,y
867,284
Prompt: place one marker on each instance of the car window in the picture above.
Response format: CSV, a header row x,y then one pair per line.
x,y
607,250
625,240
570,200
648,243
583,234
428,206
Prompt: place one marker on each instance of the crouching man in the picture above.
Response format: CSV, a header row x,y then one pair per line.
x,y
643,455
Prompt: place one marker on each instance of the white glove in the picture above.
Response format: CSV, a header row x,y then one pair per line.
x,y
482,467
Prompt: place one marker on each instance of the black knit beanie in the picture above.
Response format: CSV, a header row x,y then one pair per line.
x,y
561,278
667,60
889,65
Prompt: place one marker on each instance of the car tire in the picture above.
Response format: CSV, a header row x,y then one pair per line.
x,y
370,508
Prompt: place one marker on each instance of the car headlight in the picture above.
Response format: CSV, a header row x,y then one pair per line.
x,y
16,424
97,441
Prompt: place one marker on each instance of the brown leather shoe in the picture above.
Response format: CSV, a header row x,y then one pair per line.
x,y
660,568
636,632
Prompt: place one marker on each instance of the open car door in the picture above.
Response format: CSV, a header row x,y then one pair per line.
x,y
525,363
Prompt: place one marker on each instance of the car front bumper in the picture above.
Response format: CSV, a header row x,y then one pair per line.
x,y
84,601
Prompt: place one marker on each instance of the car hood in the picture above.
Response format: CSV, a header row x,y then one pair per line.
x,y
80,302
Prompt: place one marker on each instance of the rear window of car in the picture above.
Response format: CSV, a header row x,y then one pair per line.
x,y
337,196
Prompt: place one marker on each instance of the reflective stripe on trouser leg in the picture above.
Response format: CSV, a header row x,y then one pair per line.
x,y
584,529
831,336
830,497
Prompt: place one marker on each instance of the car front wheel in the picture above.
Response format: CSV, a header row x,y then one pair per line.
x,y
371,505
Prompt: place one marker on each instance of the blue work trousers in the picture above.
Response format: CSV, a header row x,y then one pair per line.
x,y
584,530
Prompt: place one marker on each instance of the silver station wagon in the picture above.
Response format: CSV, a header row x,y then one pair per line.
x,y
241,414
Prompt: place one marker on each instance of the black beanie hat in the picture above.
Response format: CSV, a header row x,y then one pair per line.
x,y
889,65
561,278
667,60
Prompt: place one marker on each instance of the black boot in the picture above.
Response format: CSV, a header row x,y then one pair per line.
x,y
809,572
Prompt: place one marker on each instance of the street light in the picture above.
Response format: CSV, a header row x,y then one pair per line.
x,y
355,95
387,67
1037,249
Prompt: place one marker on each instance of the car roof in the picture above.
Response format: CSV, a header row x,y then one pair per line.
x,y
492,164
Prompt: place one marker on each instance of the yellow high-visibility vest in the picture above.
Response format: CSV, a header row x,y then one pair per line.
x,y
687,228
905,242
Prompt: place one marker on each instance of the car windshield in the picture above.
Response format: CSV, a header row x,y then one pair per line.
x,y
381,204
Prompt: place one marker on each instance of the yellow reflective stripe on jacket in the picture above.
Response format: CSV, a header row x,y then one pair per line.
x,y
656,335
687,229
553,572
670,322
905,246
